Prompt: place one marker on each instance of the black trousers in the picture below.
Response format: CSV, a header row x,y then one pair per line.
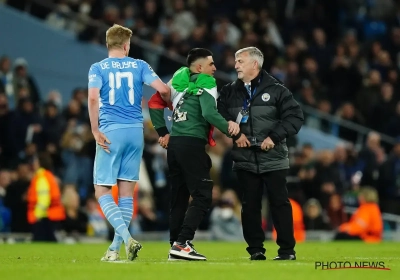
x,y
251,193
189,171
44,231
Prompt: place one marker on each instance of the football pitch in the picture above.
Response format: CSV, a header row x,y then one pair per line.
x,y
225,261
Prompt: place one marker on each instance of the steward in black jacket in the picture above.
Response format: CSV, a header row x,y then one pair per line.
x,y
273,113
267,114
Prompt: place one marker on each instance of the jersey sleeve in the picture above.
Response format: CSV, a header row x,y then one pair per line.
x,y
148,74
95,78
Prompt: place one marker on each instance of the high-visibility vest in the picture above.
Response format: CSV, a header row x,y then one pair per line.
x,y
44,198
366,223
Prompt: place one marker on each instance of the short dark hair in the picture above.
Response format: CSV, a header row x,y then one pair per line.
x,y
197,53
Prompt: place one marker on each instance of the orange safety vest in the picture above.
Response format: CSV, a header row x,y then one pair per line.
x,y
114,193
366,223
55,211
298,224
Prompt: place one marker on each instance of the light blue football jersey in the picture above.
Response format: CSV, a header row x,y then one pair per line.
x,y
120,81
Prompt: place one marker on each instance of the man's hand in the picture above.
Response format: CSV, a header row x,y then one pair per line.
x,y
233,128
101,140
163,141
242,142
267,144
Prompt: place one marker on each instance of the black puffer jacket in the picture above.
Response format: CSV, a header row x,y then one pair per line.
x,y
273,113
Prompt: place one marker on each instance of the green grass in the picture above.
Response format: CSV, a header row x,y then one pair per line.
x,y
225,261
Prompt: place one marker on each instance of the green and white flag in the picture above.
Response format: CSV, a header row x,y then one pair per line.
x,y
181,84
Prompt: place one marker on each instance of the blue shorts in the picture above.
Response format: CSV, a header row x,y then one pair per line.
x,y
123,161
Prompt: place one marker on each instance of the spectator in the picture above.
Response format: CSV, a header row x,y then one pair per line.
x,y
335,212
369,157
384,109
26,127
366,223
313,216
45,210
349,113
349,165
16,198
23,79
76,221
225,218
183,20
327,179
369,94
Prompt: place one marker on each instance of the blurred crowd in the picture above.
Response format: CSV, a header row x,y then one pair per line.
x,y
339,57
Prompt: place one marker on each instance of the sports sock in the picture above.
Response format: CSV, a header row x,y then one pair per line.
x,y
114,216
125,205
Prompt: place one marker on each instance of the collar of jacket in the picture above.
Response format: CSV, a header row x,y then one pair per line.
x,y
263,80
254,83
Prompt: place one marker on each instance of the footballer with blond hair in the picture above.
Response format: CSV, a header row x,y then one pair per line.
x,y
114,103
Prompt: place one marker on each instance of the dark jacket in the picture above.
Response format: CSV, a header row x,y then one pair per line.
x,y
273,113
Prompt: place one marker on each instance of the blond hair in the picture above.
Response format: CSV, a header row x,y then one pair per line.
x,y
117,36
254,53
369,194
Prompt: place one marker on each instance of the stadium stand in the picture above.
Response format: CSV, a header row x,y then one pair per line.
x,y
339,58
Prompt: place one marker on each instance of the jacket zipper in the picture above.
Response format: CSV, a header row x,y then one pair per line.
x,y
251,130
252,135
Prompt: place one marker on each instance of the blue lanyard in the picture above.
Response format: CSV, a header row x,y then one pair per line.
x,y
246,102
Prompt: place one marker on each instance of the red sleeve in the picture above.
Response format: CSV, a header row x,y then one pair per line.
x,y
156,102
